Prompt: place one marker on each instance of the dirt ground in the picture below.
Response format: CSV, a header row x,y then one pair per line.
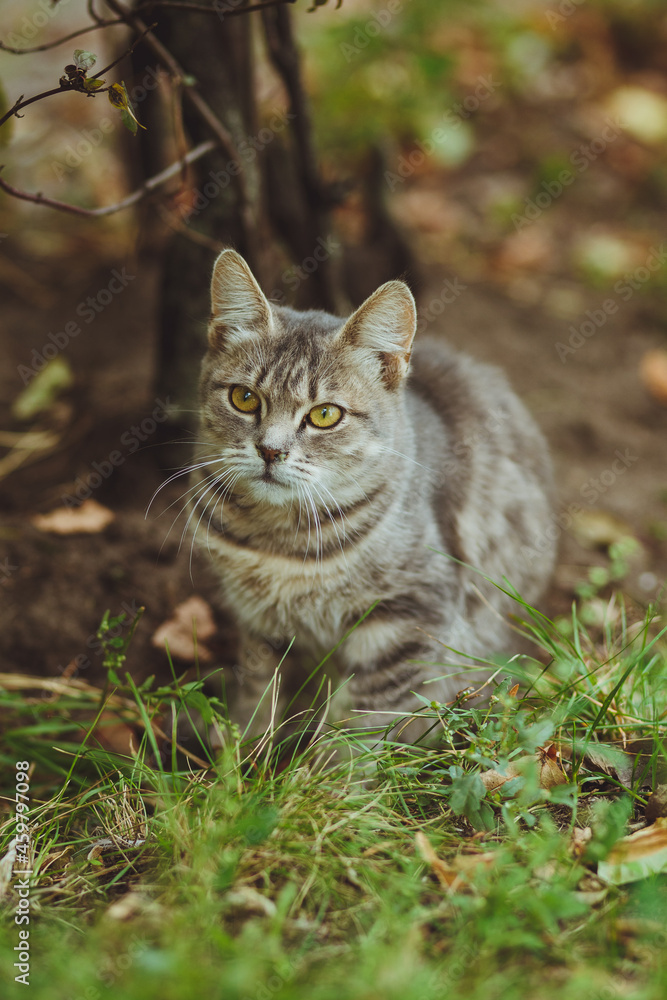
x,y
607,436
505,294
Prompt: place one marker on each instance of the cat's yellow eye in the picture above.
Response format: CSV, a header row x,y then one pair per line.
x,y
244,399
327,415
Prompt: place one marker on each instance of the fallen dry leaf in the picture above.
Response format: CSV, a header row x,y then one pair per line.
x,y
451,876
550,769
649,756
191,618
636,857
245,897
579,839
114,734
88,519
132,904
445,875
493,779
657,804
612,761
653,373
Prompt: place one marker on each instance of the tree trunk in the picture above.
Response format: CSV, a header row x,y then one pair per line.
x,y
277,198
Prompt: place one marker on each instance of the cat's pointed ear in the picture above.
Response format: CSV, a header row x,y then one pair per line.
x,y
238,306
386,324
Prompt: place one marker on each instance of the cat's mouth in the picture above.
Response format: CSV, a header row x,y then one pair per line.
x,y
270,485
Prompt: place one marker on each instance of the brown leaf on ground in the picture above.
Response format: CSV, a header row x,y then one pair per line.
x,y
90,518
579,839
612,761
132,904
656,806
653,373
549,762
191,618
648,755
493,779
637,856
451,876
115,735
551,766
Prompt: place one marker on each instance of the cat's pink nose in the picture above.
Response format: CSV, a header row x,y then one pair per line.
x,y
271,454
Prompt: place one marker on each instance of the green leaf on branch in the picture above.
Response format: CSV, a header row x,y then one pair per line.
x,y
93,84
120,100
84,60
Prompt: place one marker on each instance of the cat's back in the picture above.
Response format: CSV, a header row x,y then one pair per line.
x,y
492,475
480,412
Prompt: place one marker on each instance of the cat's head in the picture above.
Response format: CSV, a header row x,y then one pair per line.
x,y
303,401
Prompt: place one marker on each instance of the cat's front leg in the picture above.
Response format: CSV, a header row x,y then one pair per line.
x,y
259,696
389,663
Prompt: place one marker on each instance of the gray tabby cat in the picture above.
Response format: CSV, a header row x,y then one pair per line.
x,y
336,466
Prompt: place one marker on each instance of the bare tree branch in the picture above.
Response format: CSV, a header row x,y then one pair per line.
x,y
128,52
76,84
199,8
61,41
190,93
154,182
94,16
284,55
64,88
178,226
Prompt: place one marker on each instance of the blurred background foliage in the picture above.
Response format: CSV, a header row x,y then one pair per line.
x,y
515,146
392,86
558,73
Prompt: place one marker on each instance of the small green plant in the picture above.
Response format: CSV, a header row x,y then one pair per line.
x,y
599,577
114,644
409,871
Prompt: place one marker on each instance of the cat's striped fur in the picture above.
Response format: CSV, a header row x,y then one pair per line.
x,y
309,527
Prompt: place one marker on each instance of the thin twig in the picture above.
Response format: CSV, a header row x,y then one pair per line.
x,y
142,192
178,226
20,103
69,87
125,54
190,93
94,16
60,41
284,55
199,8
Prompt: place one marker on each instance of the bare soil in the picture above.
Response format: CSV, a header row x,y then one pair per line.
x,y
55,588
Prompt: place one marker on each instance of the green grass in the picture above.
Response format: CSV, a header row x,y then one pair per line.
x,y
257,879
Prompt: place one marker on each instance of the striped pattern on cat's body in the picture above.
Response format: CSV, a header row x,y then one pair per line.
x,y
309,527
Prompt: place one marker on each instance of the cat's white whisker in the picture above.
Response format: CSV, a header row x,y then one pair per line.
x,y
392,451
206,487
335,527
197,487
319,546
222,489
218,489
182,472
298,523
307,510
191,487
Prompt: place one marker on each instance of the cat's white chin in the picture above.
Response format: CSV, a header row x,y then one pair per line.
x,y
270,491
